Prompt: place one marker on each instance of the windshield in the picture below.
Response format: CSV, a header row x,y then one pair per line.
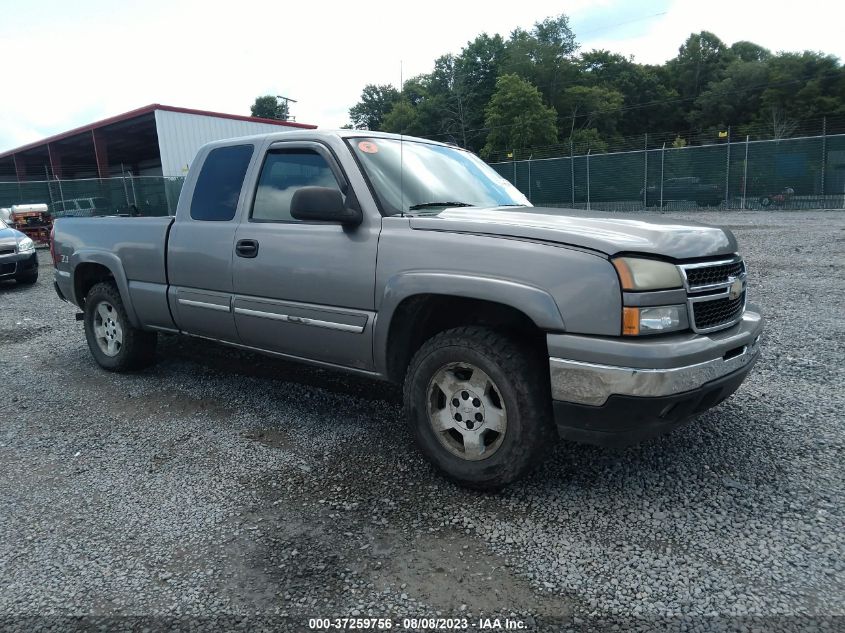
x,y
428,176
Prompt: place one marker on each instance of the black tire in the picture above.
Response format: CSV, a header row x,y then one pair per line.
x,y
765,202
137,347
521,377
27,280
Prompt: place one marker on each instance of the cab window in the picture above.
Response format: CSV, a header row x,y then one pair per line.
x,y
219,184
283,173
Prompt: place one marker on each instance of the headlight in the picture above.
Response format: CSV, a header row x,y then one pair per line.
x,y
26,245
653,320
647,274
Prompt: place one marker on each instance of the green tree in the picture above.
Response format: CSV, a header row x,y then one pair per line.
x,y
427,106
476,70
648,104
402,119
700,60
750,52
733,100
517,118
603,97
544,56
448,100
587,139
269,107
376,101
590,107
803,85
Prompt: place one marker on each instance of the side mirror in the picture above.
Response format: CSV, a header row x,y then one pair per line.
x,y
323,204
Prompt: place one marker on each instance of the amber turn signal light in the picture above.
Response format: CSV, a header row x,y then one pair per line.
x,y
625,275
630,321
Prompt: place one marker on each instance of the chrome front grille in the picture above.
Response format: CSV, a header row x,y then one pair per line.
x,y
7,250
708,275
716,293
712,314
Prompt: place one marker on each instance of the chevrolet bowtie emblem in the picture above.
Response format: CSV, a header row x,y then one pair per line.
x,y
736,288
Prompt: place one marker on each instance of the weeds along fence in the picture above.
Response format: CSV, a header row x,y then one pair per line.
x,y
92,196
793,173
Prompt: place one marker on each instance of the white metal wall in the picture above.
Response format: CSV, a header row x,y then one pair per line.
x,y
180,135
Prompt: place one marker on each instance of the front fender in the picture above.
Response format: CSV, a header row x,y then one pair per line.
x,y
112,262
535,303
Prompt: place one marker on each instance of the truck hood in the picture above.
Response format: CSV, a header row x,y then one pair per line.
x,y
605,232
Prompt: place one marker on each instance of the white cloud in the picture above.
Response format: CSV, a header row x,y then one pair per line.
x,y
777,25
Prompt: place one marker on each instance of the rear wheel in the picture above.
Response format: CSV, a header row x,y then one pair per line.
x,y
479,406
114,343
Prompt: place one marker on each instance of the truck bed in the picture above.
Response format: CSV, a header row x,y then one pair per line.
x,y
139,243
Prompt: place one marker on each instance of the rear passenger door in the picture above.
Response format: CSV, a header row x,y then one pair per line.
x,y
304,289
199,256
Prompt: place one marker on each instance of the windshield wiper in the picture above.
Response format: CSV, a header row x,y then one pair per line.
x,y
425,205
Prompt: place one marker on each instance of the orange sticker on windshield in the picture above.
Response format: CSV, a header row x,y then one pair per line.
x,y
368,147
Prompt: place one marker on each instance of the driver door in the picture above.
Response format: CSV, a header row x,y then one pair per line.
x,y
304,289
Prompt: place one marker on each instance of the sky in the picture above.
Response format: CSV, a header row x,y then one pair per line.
x,y
71,63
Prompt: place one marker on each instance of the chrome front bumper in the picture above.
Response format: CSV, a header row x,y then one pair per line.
x,y
590,383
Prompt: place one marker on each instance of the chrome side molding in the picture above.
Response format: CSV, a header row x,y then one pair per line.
x,y
204,304
329,325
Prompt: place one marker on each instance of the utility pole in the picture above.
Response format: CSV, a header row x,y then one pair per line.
x,y
589,149
728,169
662,163
745,172
824,157
287,101
49,188
529,177
645,171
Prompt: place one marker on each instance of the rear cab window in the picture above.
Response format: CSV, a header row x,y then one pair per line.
x,y
219,183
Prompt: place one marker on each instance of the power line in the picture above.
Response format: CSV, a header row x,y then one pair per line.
x,y
613,26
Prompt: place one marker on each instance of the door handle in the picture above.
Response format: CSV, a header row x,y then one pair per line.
x,y
246,248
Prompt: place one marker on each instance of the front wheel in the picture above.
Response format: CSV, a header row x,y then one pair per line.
x,y
114,343
479,406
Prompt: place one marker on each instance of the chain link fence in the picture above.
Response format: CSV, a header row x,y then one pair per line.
x,y
135,195
793,173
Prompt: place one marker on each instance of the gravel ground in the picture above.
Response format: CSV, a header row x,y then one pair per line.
x,y
224,490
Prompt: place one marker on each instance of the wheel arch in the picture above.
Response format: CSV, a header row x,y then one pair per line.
x,y
416,306
92,267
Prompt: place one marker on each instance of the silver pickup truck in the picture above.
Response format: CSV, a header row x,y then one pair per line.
x,y
414,262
